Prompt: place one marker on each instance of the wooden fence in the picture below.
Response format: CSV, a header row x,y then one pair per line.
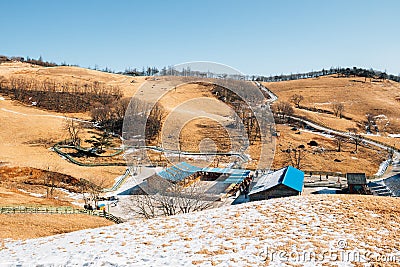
x,y
59,210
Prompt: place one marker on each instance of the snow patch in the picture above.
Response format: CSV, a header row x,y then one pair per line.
x,y
383,167
229,236
32,194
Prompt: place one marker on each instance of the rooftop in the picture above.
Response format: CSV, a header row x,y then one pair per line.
x,y
289,176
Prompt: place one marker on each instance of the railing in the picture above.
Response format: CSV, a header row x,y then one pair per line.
x,y
119,182
57,147
59,210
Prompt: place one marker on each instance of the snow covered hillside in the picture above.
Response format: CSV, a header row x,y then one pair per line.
x,y
304,230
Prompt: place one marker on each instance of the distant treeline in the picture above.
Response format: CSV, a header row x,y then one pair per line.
x,y
38,61
59,96
144,71
170,70
341,72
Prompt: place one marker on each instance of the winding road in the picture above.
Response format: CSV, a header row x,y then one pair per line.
x,y
396,160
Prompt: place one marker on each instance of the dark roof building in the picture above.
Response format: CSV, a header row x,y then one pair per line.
x,y
284,182
357,183
356,178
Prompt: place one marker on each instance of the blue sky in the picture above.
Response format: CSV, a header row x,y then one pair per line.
x,y
256,37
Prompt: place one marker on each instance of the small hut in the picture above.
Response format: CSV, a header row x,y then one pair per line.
x,y
284,182
357,183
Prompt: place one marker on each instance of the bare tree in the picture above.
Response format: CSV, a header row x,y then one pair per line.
x,y
296,99
101,113
60,96
95,190
370,123
50,179
339,141
296,155
163,198
338,109
283,109
154,122
73,129
145,206
121,107
355,137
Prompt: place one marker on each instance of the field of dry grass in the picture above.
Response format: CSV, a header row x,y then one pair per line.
x,y
325,157
193,111
15,197
201,116
129,85
30,186
359,97
25,226
29,134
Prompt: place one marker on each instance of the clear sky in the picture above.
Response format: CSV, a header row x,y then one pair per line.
x,y
256,37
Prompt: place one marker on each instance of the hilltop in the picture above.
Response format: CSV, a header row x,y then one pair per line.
x,y
241,235
70,74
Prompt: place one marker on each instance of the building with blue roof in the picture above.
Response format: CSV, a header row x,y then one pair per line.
x,y
284,182
179,172
183,170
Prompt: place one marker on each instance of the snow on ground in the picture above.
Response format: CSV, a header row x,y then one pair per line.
x,y
30,193
383,167
318,133
250,234
44,115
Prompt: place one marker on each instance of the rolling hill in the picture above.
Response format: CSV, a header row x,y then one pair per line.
x,y
319,230
359,97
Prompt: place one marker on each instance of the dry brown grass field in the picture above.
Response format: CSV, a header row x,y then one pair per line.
x,y
194,111
200,102
325,156
359,97
30,186
25,226
128,84
30,131
28,134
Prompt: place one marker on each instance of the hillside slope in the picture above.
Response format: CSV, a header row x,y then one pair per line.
x,y
79,75
360,97
251,234
28,135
